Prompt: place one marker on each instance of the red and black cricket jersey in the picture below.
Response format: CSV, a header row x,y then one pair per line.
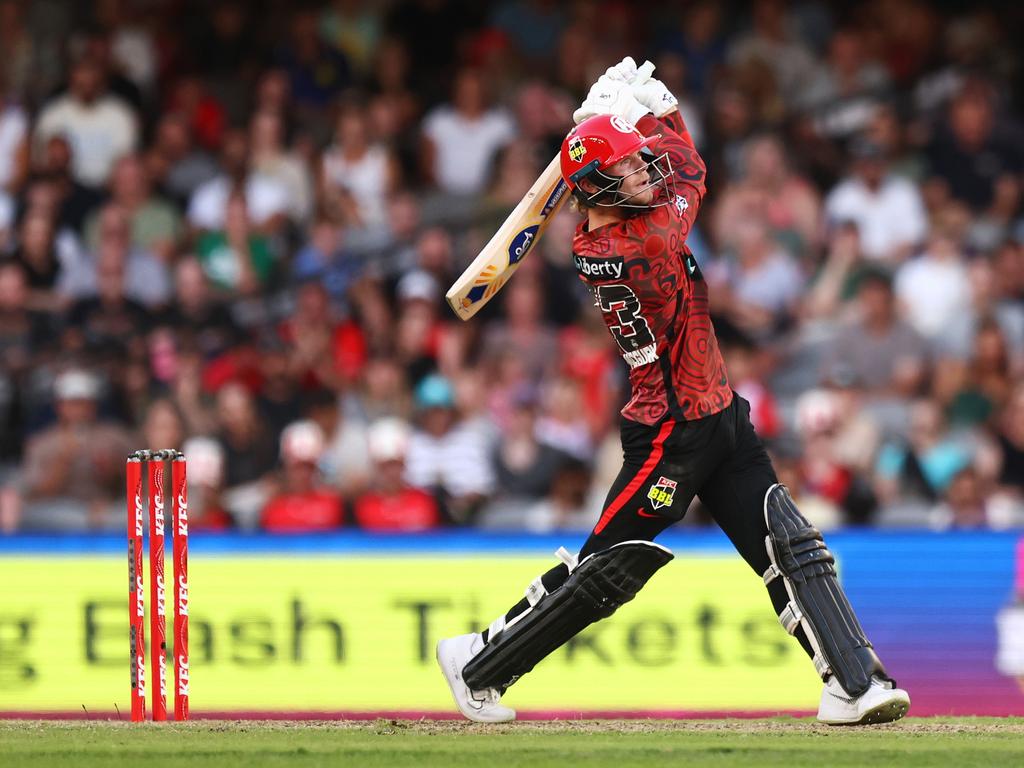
x,y
652,295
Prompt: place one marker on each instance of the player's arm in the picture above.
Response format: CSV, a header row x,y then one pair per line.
x,y
688,169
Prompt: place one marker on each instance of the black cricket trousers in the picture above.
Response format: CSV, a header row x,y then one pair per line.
x,y
719,459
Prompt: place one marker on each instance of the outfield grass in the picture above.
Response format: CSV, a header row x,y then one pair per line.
x,y
960,742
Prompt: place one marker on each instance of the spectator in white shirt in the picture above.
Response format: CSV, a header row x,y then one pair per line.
x,y
357,173
266,198
13,144
462,138
99,126
934,289
886,209
444,454
272,158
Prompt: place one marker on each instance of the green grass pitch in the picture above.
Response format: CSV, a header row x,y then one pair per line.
x,y
960,742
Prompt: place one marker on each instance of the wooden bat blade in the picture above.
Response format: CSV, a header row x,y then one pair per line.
x,y
505,251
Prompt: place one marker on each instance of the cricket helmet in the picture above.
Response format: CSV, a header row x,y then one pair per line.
x,y
595,145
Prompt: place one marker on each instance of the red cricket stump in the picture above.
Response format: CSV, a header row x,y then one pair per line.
x,y
136,594
157,598
178,480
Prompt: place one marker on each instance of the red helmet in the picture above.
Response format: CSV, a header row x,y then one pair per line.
x,y
597,143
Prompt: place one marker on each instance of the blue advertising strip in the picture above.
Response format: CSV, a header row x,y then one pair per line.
x,y
859,549
447,542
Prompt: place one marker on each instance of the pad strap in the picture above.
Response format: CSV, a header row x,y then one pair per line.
x,y
817,602
596,587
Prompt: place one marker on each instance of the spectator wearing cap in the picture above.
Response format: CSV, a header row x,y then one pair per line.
x,y
391,504
444,455
887,209
303,503
73,473
99,125
883,353
205,458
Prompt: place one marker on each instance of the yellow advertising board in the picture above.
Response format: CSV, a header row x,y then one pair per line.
x,y
357,633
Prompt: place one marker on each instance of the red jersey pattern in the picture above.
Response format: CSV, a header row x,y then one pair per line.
x,y
652,295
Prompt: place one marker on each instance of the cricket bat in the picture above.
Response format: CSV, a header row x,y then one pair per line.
x,y
504,252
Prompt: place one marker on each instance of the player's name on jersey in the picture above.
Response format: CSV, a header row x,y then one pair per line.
x,y
643,356
599,267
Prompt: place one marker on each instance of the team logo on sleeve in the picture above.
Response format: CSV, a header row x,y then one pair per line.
x,y
682,204
576,149
662,493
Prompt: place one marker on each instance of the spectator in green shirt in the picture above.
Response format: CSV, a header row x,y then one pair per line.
x,y
237,259
155,224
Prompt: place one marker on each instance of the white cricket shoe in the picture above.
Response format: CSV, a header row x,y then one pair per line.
x,y
880,703
480,706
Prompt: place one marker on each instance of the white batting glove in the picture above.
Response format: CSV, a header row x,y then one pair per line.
x,y
651,92
625,71
610,97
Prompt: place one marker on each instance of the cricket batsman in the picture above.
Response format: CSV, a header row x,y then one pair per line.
x,y
634,172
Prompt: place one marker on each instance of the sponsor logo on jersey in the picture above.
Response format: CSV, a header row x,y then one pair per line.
x,y
576,149
662,493
643,356
521,244
599,268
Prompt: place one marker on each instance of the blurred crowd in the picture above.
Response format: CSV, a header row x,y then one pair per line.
x,y
227,227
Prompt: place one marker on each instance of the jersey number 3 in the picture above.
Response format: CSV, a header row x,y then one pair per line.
x,y
621,309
